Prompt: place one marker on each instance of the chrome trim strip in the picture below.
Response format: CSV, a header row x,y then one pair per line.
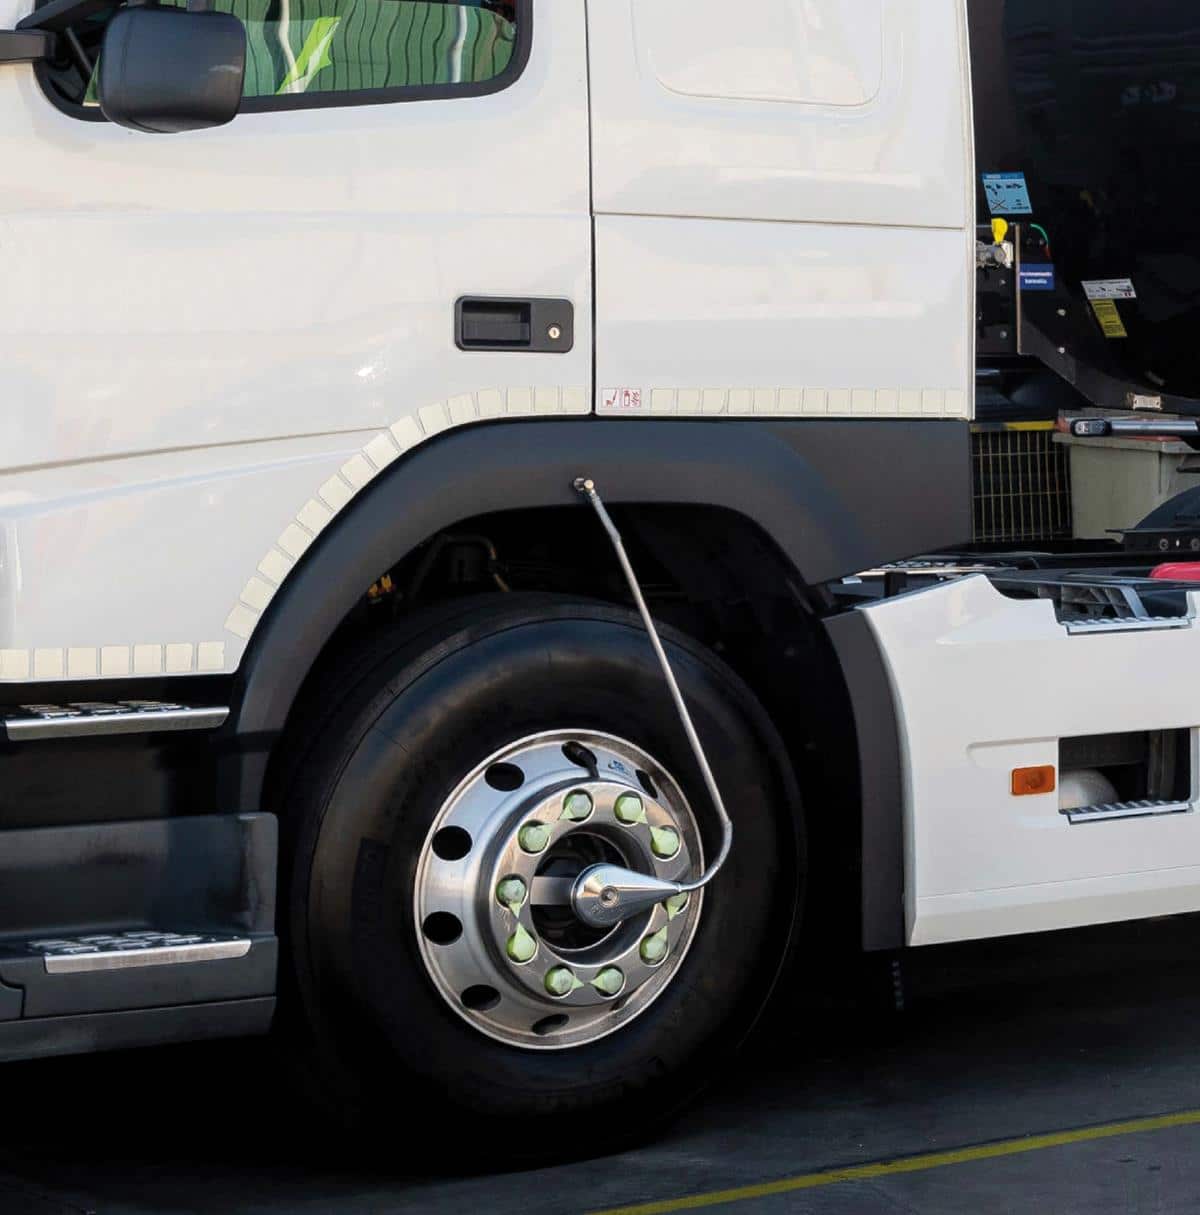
x,y
1103,814
1143,624
129,959
87,725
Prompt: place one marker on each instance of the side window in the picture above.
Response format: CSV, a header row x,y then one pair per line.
x,y
810,52
302,53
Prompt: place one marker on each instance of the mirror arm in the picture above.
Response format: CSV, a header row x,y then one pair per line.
x,y
57,15
75,49
27,46
36,36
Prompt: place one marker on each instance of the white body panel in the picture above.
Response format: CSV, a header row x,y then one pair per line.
x,y
70,612
793,319
199,331
850,150
984,684
901,159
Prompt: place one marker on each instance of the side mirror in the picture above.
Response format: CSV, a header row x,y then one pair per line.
x,y
167,69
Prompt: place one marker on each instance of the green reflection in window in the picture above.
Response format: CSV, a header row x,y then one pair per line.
x,y
338,46
330,46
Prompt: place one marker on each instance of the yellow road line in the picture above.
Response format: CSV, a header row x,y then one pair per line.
x,y
909,1164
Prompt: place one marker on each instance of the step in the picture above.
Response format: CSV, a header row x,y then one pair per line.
x,y
1133,624
1117,810
71,973
132,949
106,917
83,719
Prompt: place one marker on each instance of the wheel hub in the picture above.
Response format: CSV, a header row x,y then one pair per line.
x,y
493,896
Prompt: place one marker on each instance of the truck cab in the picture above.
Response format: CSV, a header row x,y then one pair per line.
x,y
322,688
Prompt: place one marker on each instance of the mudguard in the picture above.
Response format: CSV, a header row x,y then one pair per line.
x,y
835,496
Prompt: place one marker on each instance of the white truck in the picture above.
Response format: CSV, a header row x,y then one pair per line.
x,y
321,683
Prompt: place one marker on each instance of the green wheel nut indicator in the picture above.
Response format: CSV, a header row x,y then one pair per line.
x,y
533,837
609,981
654,947
577,806
677,904
629,809
521,946
561,981
511,892
664,842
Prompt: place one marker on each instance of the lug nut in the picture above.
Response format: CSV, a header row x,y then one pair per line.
x,y
521,946
664,842
676,905
534,837
561,981
629,809
609,981
511,893
654,947
577,806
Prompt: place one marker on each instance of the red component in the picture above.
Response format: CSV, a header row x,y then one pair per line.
x,y
1178,571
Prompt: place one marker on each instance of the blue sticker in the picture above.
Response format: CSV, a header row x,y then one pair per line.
x,y
1037,277
1007,194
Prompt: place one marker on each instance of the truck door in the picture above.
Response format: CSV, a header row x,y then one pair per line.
x,y
188,320
796,178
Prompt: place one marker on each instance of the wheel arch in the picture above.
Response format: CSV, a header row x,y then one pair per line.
x,y
831,496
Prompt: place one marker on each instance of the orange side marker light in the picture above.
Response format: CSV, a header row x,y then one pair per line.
x,y
1030,782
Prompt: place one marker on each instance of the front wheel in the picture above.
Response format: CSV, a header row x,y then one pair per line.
x,y
462,785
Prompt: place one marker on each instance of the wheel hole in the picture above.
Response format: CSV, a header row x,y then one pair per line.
x,y
480,998
549,1025
617,1005
442,928
451,843
647,784
581,757
504,777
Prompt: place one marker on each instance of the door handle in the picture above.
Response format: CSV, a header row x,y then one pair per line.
x,y
539,326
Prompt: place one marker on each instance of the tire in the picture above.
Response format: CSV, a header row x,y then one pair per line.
x,y
383,1024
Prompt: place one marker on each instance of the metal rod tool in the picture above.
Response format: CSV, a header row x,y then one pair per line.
x,y
604,895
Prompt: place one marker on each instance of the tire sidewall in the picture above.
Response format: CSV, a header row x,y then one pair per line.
x,y
388,765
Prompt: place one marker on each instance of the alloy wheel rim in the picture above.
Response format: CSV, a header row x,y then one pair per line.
x,y
493,922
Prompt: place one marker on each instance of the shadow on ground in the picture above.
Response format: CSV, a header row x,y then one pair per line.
x,y
999,1040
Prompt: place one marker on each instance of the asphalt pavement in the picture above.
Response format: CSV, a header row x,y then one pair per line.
x,y
1047,1074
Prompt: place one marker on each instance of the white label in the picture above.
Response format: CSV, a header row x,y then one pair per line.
x,y
1110,289
621,398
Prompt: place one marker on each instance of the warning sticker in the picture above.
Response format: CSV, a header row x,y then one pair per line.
x,y
1007,194
621,398
1109,317
1110,289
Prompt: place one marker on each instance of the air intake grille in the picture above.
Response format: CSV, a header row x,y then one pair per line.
x,y
1022,484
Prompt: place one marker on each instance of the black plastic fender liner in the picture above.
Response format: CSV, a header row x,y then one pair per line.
x,y
880,780
836,496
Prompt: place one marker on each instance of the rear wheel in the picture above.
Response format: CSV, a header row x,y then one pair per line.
x,y
451,800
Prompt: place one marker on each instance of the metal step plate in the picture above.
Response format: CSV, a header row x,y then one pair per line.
x,y
127,950
1133,624
1101,814
83,719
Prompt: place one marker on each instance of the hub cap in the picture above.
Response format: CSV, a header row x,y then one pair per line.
x,y
494,921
